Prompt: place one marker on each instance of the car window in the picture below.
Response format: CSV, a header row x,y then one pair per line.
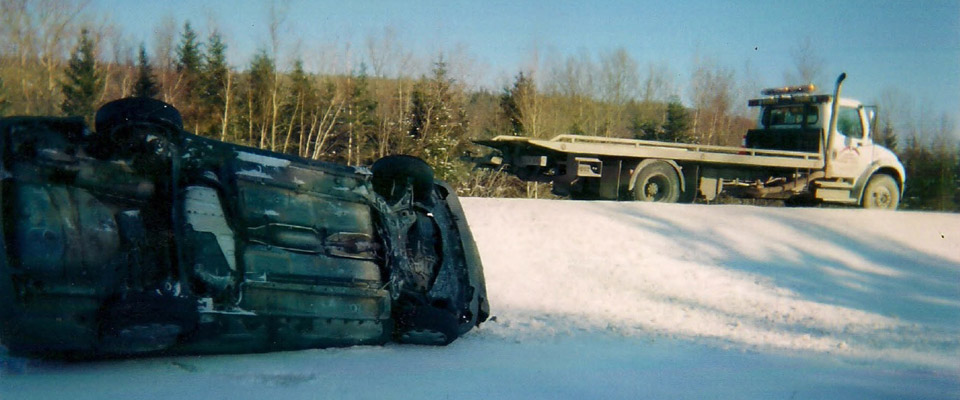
x,y
790,116
848,123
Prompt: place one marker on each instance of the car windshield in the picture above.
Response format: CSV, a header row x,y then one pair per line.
x,y
789,116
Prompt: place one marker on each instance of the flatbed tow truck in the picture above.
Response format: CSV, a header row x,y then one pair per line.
x,y
807,147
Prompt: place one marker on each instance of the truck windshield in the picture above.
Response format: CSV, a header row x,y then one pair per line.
x,y
789,116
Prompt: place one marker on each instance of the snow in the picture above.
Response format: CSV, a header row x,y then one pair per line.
x,y
262,160
254,174
630,300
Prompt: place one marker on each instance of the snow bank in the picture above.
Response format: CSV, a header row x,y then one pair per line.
x,y
858,283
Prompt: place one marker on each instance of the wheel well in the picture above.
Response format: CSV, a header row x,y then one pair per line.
x,y
893,174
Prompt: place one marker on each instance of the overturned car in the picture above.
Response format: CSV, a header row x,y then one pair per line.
x,y
141,238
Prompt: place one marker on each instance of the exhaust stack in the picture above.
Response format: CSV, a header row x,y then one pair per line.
x,y
835,108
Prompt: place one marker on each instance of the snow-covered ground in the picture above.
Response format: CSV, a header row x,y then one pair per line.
x,y
630,300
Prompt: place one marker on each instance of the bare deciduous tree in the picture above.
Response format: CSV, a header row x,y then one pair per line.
x,y
35,38
619,84
712,91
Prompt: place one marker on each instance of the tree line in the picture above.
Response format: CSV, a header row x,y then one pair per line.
x,y
53,62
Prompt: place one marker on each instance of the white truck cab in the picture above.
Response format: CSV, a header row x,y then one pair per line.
x,y
793,119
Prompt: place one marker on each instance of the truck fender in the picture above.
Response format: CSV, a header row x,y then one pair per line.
x,y
646,162
875,167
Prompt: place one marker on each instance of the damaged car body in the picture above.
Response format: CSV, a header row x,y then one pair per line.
x,y
141,238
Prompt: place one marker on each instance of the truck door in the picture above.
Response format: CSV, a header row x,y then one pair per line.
x,y
852,148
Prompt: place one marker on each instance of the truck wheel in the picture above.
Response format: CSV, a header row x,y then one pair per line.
x,y
882,192
657,182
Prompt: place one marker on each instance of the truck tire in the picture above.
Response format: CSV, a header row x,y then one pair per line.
x,y
882,192
657,182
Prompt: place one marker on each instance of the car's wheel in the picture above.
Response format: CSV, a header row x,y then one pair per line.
x,y
882,192
136,109
392,174
657,182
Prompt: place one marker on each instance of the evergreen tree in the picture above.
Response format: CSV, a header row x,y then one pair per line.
x,y
645,129
214,71
360,119
300,81
84,82
931,175
886,137
302,97
189,64
261,79
146,84
677,126
421,110
438,123
945,165
189,57
212,87
956,181
511,102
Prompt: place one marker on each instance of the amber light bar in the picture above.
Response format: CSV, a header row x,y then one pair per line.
x,y
789,90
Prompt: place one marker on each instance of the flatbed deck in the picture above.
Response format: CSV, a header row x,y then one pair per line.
x,y
633,148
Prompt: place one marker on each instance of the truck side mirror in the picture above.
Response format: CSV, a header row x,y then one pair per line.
x,y
870,113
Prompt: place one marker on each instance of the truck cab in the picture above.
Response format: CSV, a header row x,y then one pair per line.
x,y
793,119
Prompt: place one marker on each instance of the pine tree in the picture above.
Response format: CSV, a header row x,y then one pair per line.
x,y
83,83
212,87
302,97
189,57
932,174
945,167
146,84
189,63
956,180
360,119
887,137
438,123
214,71
511,102
260,81
677,126
645,129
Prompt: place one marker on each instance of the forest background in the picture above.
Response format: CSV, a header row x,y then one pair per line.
x,y
61,58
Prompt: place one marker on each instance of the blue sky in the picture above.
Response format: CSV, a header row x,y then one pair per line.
x,y
912,46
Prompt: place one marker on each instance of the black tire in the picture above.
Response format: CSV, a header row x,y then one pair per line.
x,y
136,109
882,192
391,175
657,182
